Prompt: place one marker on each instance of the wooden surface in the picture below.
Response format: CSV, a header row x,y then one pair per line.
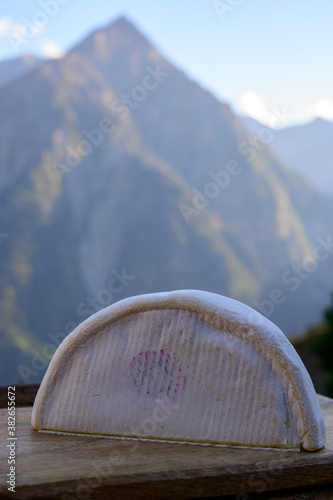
x,y
68,467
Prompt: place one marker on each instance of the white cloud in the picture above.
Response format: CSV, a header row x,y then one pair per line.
x,y
8,28
255,106
51,49
18,30
323,108
5,26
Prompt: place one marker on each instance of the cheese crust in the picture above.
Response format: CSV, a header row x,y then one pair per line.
x,y
181,366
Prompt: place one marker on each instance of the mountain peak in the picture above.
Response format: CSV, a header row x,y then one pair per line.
x,y
128,29
122,22
119,34
319,121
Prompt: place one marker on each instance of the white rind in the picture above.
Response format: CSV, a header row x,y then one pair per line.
x,y
245,383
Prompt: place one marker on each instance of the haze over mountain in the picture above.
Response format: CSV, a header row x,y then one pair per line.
x,y
122,176
306,148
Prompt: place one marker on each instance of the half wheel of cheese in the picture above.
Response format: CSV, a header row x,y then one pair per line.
x,y
187,366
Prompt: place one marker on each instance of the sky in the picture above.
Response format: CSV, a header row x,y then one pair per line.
x,y
272,60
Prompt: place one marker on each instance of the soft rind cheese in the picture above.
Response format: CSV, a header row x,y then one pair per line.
x,y
181,366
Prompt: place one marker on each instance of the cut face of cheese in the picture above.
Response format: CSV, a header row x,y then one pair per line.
x,y
181,366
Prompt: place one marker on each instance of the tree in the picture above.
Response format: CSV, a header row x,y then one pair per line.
x,y
322,346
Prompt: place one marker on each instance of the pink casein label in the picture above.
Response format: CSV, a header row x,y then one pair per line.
x,y
154,376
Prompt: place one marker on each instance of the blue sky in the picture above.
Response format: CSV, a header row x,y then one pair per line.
x,y
269,58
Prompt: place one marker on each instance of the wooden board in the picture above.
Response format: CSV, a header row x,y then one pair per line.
x,y
68,467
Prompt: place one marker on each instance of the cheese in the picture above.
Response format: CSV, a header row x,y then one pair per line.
x,y
186,366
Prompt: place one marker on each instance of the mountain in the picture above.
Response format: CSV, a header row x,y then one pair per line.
x,y
11,69
122,176
252,125
305,148
308,149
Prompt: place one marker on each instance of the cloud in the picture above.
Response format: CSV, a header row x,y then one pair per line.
x,y
255,106
51,49
323,108
18,30
8,28
5,26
